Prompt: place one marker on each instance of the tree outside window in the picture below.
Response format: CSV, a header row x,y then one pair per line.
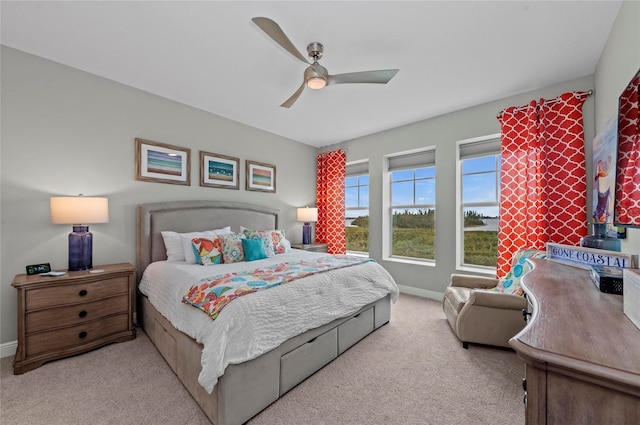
x,y
413,194
480,181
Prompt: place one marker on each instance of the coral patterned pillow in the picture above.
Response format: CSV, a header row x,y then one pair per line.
x,y
510,284
208,251
232,251
275,241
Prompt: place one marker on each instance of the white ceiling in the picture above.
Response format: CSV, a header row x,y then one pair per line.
x,y
208,54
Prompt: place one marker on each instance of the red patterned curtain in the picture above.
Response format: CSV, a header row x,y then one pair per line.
x,y
332,168
627,204
543,194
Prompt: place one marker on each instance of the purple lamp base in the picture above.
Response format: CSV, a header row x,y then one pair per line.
x,y
306,233
80,249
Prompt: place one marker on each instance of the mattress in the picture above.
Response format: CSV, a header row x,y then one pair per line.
x,y
254,324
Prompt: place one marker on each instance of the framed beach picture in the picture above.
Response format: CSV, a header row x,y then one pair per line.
x,y
162,163
219,171
261,177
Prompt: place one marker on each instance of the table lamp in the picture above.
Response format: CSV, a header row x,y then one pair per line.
x,y
307,215
80,211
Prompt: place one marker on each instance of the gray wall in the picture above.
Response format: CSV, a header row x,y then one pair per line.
x,y
66,132
442,132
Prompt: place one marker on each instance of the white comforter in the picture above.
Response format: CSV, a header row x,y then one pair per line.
x,y
254,324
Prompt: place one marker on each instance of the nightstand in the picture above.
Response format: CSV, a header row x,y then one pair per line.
x,y
71,314
314,247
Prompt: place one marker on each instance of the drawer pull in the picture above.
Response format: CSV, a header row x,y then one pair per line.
x,y
82,334
83,293
83,313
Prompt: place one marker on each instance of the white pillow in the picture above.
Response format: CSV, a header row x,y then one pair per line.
x,y
187,248
173,244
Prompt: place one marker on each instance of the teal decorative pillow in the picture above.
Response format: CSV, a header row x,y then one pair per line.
x,y
265,236
232,250
253,249
510,284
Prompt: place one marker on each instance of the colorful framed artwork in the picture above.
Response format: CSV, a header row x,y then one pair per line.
x,y
219,171
162,163
261,177
627,192
604,170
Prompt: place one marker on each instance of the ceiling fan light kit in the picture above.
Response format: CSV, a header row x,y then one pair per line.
x,y
316,76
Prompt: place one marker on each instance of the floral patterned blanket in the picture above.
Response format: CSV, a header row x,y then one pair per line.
x,y
212,294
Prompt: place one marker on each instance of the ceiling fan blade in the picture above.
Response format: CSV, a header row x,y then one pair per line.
x,y
381,76
274,31
287,103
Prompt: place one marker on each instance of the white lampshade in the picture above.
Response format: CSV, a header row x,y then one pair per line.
x,y
307,214
79,210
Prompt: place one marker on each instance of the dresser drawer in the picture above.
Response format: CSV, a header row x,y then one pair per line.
x,y
75,335
75,293
75,314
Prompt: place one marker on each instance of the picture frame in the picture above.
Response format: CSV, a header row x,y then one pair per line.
x,y
219,171
162,163
261,177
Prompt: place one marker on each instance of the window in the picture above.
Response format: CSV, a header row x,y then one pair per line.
x,y
413,205
479,202
356,218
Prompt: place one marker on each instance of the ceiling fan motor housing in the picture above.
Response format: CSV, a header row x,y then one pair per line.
x,y
315,50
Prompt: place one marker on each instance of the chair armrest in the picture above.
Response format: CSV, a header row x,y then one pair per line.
x,y
473,282
497,300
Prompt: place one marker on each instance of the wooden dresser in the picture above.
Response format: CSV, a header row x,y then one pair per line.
x,y
70,314
581,353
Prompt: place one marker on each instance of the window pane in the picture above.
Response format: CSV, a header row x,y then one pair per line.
x,y
426,191
479,188
480,236
425,172
357,230
351,181
401,175
364,180
413,233
402,193
364,196
351,196
476,165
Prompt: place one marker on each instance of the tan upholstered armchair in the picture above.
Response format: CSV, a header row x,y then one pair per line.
x,y
488,311
479,316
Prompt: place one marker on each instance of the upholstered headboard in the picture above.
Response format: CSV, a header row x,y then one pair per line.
x,y
191,216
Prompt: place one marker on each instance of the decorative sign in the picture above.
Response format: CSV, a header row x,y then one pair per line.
x,y
583,258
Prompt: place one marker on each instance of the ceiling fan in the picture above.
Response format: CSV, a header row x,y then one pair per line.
x,y
316,76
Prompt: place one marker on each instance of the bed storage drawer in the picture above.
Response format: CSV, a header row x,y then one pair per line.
x,y
354,329
299,364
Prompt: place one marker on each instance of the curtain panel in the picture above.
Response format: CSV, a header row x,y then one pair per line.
x,y
543,194
330,228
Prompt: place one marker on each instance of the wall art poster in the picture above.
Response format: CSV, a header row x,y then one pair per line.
x,y
604,171
162,163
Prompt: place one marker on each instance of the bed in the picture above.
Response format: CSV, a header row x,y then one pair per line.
x,y
247,386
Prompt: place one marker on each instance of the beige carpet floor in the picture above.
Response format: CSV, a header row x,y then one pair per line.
x,y
411,371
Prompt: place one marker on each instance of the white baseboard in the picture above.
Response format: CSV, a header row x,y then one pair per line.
x,y
424,293
8,349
